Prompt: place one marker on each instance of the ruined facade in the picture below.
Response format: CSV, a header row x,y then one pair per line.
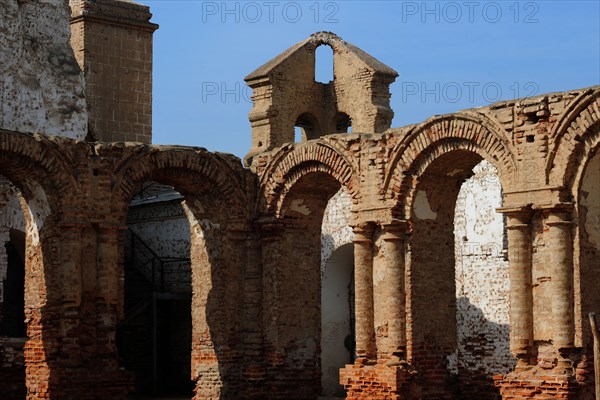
x,y
261,237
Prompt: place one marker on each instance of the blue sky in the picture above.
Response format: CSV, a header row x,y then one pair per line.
x,y
451,55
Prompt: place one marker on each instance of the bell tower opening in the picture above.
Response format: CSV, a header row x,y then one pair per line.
x,y
324,64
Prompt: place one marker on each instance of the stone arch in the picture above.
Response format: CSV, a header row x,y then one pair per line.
x,y
427,169
342,122
472,132
576,133
296,188
35,161
38,166
192,171
294,163
576,141
311,129
216,208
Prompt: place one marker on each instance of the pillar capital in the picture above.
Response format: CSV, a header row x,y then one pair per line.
x,y
395,230
558,217
517,216
270,228
363,231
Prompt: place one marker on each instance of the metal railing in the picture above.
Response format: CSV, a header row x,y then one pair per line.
x,y
145,260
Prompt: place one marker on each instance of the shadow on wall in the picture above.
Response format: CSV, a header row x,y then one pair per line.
x,y
482,353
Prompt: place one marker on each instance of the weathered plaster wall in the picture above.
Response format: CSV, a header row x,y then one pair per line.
x,y
590,202
335,231
482,281
41,84
337,268
587,248
336,332
165,229
41,90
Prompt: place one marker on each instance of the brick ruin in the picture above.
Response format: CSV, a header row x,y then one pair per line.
x,y
451,259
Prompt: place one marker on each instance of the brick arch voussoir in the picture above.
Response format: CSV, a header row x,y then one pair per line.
x,y
470,131
293,163
38,160
577,162
576,131
169,165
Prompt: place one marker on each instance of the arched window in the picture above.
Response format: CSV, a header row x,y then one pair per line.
x,y
306,128
324,64
342,123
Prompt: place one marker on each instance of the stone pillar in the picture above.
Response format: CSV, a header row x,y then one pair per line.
x,y
108,260
392,288
561,266
520,275
363,281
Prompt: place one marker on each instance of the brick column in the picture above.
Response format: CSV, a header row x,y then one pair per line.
x,y
520,275
253,368
393,291
561,266
363,281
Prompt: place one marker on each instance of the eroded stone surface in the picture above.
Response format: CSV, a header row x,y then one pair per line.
x,y
41,85
256,254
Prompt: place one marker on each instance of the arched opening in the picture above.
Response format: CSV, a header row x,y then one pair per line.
x,y
298,136
13,329
306,128
155,335
338,338
337,319
295,310
587,243
324,64
13,304
456,266
342,123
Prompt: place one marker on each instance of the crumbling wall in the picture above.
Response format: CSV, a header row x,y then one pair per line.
x,y
335,231
482,281
41,90
337,271
41,84
166,230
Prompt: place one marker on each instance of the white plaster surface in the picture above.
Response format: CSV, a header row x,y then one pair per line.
x,y
422,208
41,84
337,267
165,228
336,285
482,282
590,200
335,231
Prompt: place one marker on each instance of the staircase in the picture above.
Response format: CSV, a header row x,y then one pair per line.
x,y
148,288
143,259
